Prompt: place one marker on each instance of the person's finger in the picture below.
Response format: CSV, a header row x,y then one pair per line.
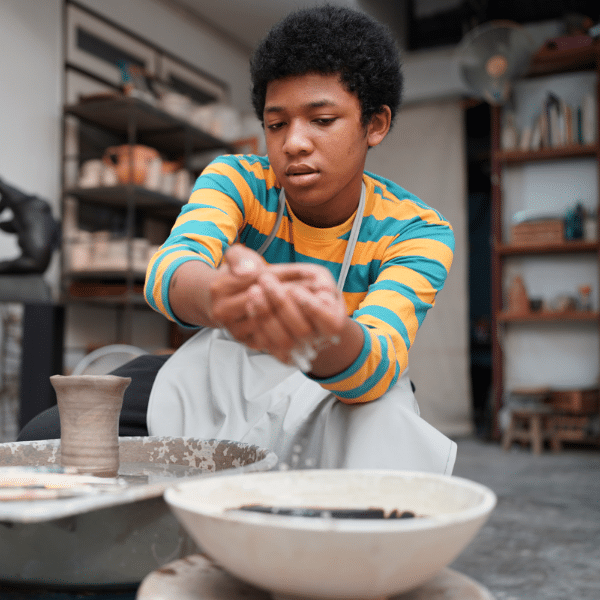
x,y
314,277
257,302
244,262
325,311
228,309
285,308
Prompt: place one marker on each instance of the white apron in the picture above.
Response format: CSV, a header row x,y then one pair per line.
x,y
215,387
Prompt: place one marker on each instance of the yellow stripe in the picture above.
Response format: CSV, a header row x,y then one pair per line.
x,y
353,300
215,197
431,249
267,175
166,261
265,221
262,219
237,180
212,245
407,208
212,215
358,378
366,251
370,366
405,310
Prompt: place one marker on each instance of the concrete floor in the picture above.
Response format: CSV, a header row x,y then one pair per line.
x,y
542,541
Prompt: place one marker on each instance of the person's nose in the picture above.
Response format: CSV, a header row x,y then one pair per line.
x,y
297,139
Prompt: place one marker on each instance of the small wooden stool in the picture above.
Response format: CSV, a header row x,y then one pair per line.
x,y
527,425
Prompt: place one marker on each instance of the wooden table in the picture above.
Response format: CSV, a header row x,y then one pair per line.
x,y
196,578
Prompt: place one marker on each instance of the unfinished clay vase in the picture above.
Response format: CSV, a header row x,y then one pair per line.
x,y
89,408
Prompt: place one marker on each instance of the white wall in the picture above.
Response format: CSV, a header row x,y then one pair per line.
x,y
425,153
30,100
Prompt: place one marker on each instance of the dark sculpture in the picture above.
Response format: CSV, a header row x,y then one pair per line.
x,y
37,231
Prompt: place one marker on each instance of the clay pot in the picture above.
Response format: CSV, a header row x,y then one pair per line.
x,y
518,302
130,162
89,408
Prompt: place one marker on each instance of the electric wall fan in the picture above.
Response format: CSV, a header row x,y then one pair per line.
x,y
491,56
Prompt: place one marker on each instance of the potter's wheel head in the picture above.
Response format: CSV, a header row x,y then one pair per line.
x,y
114,537
149,465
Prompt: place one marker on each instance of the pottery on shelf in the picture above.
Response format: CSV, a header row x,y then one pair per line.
x,y
89,407
130,162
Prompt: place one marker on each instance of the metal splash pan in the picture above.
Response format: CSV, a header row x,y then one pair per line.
x,y
114,533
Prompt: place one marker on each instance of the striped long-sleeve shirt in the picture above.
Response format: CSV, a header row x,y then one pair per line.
x,y
401,260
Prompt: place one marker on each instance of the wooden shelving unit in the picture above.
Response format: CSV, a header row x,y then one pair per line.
x,y
560,63
570,247
548,316
127,120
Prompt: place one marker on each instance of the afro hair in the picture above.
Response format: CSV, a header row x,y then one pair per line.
x,y
329,39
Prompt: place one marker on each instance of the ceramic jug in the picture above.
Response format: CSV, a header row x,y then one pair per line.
x,y
89,407
130,162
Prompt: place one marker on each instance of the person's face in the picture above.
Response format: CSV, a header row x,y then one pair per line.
x,y
317,145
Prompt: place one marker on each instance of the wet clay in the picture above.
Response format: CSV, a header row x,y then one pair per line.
x,y
89,408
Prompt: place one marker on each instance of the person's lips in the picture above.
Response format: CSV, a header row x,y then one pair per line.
x,y
299,169
301,173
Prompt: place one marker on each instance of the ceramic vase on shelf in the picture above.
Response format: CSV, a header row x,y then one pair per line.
x,y
89,407
131,163
518,301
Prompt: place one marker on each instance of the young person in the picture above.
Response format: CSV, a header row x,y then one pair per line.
x,y
308,276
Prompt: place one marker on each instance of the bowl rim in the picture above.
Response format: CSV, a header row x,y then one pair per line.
x,y
175,497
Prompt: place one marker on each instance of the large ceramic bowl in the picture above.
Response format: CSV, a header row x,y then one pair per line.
x,y
326,557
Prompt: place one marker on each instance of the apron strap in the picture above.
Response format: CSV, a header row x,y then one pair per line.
x,y
351,240
271,235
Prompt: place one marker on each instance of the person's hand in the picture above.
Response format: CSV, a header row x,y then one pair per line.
x,y
289,311
297,310
229,287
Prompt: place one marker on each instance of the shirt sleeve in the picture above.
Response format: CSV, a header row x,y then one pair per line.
x,y
207,225
413,270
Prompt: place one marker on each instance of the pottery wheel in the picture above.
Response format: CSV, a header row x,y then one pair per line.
x,y
197,578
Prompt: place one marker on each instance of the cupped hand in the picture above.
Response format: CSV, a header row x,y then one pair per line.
x,y
286,310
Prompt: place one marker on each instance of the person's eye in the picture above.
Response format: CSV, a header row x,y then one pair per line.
x,y
275,126
325,120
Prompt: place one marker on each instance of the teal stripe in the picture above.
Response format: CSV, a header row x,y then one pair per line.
x,y
397,191
374,379
433,270
387,316
194,246
220,183
430,231
150,283
421,307
361,276
192,206
166,281
354,367
151,277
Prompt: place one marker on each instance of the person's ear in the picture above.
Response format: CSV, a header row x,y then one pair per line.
x,y
379,125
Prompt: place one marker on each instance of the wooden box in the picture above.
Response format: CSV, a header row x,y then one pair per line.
x,y
538,234
575,401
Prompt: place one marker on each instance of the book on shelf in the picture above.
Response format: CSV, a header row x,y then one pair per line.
x,y
588,120
560,124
